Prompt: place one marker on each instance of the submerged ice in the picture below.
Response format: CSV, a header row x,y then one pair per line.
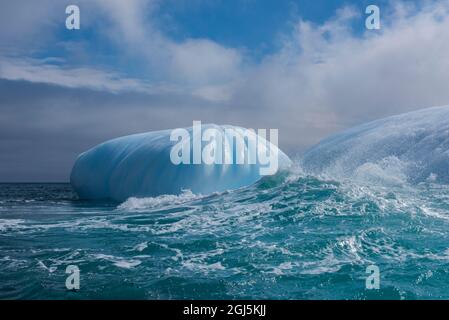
x,y
411,147
140,165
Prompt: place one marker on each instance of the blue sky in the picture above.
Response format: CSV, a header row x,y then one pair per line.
x,y
308,68
255,27
251,24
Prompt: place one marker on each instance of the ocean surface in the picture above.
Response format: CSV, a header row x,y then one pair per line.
x,y
291,236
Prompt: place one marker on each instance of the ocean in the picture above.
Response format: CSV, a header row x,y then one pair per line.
x,y
290,236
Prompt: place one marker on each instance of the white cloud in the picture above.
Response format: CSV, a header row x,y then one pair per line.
x,y
218,93
323,79
197,65
204,62
42,71
192,62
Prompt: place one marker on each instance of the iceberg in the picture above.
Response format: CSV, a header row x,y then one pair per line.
x,y
415,145
140,165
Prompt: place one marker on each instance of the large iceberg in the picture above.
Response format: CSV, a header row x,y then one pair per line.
x,y
139,165
415,145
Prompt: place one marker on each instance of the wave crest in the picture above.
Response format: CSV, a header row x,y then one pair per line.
x,y
134,203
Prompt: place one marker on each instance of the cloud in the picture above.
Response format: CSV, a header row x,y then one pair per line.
x,y
326,78
130,27
24,25
204,62
322,79
191,62
45,71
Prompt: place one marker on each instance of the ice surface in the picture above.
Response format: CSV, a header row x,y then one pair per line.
x,y
140,166
413,146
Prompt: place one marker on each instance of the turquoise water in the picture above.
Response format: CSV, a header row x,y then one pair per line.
x,y
291,236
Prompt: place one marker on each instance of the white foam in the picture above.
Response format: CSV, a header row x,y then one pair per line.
x,y
141,246
134,203
119,262
412,146
10,224
387,171
43,266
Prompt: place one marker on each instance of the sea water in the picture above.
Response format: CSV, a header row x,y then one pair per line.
x,y
291,236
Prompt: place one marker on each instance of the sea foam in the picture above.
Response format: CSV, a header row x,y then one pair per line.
x,y
412,147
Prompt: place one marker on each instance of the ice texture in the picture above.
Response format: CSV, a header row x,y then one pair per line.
x,y
414,145
139,165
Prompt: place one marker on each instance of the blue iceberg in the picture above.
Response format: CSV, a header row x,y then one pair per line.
x,y
139,165
412,146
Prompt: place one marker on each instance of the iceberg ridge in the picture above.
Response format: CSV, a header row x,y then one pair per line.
x,y
414,143
139,165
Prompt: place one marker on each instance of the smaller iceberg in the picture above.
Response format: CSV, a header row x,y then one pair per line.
x,y
412,147
141,165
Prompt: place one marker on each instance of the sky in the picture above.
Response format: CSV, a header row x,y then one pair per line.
x,y
308,68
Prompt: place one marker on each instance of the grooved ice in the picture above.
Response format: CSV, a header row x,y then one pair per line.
x,y
139,166
414,144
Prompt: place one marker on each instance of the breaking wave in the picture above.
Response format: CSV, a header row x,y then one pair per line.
x,y
306,233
